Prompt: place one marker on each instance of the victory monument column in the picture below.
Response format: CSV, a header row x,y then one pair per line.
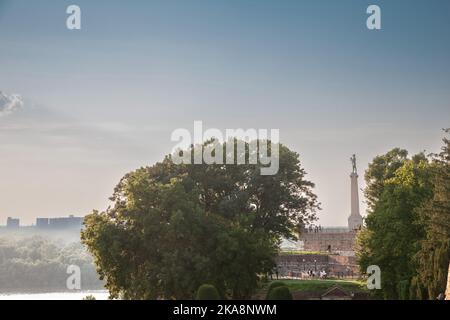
x,y
338,240
355,221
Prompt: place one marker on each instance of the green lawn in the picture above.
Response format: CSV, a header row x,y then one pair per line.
x,y
323,285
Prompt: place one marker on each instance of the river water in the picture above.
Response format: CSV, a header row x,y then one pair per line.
x,y
79,295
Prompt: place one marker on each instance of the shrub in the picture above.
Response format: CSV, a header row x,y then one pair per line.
x,y
280,293
207,292
274,285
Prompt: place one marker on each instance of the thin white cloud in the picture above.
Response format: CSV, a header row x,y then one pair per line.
x,y
47,128
10,103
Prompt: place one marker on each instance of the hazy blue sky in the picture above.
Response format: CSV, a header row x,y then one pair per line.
x,y
104,100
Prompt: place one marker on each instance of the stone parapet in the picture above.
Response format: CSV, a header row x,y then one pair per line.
x,y
297,265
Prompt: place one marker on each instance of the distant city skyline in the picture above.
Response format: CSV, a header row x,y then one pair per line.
x,y
45,222
82,108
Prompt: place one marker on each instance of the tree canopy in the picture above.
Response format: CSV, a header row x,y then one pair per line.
x,y
173,227
434,256
407,227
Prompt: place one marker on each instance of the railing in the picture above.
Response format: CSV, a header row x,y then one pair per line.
x,y
326,230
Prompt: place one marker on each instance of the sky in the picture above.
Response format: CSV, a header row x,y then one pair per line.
x,y
80,108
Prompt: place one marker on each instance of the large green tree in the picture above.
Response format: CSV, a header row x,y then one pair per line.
x,y
393,230
381,169
434,257
173,227
407,230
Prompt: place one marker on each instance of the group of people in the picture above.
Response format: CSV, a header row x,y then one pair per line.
x,y
314,274
315,229
310,274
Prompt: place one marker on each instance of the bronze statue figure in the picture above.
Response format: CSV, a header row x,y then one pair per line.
x,y
353,160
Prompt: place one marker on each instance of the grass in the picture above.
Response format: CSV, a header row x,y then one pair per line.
x,y
323,285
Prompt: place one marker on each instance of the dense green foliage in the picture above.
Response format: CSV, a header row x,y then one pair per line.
x,y
279,293
407,227
174,227
434,256
39,264
207,292
381,169
273,285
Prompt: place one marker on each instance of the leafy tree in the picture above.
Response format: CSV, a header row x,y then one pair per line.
x,y
434,256
173,227
381,169
393,229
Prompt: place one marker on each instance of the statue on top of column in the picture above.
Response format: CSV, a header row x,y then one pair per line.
x,y
353,160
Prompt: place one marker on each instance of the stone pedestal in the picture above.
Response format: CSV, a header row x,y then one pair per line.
x,y
355,220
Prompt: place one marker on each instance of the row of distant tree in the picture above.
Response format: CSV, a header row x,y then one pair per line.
x,y
38,264
407,230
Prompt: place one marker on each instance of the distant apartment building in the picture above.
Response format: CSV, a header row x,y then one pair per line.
x,y
42,223
70,222
12,223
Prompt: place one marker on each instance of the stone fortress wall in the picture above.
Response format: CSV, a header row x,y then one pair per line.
x,y
331,240
296,265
